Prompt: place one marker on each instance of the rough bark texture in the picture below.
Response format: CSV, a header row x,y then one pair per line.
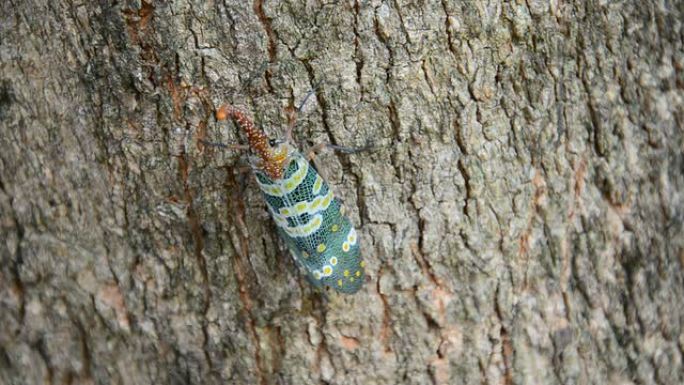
x,y
521,213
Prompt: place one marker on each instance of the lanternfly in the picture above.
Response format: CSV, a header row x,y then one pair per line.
x,y
310,219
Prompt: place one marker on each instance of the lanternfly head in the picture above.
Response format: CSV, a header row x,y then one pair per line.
x,y
272,153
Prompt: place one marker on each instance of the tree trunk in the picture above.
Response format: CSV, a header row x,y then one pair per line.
x,y
521,211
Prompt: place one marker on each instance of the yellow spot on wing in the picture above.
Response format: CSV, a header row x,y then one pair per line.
x,y
362,264
321,248
352,236
346,273
317,184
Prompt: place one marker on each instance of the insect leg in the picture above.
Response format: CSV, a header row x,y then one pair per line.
x,y
313,150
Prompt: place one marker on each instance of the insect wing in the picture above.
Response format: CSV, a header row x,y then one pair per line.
x,y
299,258
312,223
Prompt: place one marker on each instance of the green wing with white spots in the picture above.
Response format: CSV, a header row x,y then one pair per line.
x,y
313,225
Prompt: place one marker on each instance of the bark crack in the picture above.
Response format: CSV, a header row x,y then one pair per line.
x,y
18,259
358,60
242,253
506,345
268,28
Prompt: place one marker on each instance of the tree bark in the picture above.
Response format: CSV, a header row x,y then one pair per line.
x,y
521,212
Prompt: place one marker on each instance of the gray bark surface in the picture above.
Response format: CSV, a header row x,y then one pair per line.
x,y
521,212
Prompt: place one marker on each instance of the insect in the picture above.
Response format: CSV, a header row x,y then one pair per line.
x,y
310,219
